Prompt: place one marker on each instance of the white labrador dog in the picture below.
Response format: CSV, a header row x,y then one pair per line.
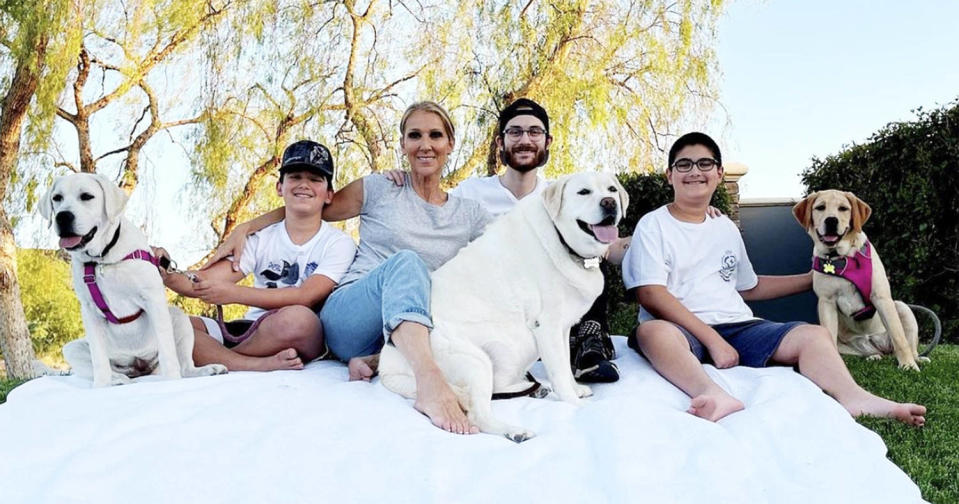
x,y
850,280
511,296
146,336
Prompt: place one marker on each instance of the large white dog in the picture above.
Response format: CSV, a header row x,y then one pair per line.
x,y
130,330
511,296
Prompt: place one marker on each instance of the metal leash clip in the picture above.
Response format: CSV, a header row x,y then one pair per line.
x,y
171,267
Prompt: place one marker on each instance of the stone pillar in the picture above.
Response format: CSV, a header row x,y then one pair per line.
x,y
732,172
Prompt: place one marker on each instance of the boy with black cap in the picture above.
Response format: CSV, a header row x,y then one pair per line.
x,y
296,263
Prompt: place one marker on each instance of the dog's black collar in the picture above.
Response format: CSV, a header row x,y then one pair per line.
x,y
116,237
585,262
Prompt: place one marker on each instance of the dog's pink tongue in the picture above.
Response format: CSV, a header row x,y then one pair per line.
x,y
605,234
70,241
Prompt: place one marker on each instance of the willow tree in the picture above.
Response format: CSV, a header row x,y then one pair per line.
x,y
325,71
615,75
127,48
37,42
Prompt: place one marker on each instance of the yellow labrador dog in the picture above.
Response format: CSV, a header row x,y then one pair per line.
x,y
851,283
511,296
130,330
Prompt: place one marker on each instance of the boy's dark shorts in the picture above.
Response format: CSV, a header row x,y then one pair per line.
x,y
755,340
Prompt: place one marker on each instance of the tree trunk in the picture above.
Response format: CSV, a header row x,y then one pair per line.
x,y
14,336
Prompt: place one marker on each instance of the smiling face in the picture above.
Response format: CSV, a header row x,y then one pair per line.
x,y
833,219
426,143
304,192
524,153
694,187
586,208
85,209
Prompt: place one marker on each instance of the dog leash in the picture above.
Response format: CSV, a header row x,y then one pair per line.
x,y
90,279
171,267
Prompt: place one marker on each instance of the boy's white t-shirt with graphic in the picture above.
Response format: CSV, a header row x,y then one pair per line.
x,y
703,265
276,262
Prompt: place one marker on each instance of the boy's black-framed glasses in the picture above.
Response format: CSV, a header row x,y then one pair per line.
x,y
704,164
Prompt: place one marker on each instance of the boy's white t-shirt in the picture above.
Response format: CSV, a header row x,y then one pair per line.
x,y
276,262
492,194
703,265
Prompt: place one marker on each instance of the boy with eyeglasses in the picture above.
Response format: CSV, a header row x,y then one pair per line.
x,y
692,277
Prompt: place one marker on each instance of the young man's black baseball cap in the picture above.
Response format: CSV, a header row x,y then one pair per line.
x,y
307,155
523,106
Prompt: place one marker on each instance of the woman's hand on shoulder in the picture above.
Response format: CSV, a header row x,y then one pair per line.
x,y
398,177
714,212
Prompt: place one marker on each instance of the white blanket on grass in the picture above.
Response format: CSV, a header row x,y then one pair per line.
x,y
312,436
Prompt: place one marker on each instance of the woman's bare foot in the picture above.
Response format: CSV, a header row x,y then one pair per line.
x,y
714,405
872,405
363,368
436,400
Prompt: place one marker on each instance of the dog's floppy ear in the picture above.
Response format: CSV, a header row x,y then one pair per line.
x,y
553,197
46,202
803,211
623,195
114,199
860,211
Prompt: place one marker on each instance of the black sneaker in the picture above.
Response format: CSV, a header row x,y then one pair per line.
x,y
591,353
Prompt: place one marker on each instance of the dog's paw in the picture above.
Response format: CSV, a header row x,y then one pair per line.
x,y
541,392
874,357
582,390
923,359
909,365
120,379
212,369
518,435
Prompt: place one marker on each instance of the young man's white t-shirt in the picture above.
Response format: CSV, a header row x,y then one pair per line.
x,y
492,194
703,265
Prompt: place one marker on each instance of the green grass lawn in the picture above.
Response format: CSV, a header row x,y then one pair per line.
x,y
930,456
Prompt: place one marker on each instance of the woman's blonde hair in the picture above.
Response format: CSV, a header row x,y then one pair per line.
x,y
429,106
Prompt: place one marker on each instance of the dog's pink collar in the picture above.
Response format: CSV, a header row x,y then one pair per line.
x,y
90,278
857,269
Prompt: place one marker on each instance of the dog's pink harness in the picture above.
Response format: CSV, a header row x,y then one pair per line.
x,y
90,278
856,269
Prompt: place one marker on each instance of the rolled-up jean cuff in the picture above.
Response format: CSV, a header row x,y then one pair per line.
x,y
413,315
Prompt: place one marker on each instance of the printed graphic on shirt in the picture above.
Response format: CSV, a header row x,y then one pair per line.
x,y
288,273
729,266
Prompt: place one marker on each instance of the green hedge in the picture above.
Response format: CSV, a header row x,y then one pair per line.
x,y
647,192
909,174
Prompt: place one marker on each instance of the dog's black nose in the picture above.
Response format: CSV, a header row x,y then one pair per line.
x,y
832,225
608,205
64,221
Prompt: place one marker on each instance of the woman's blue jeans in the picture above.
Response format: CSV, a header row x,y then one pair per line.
x,y
358,318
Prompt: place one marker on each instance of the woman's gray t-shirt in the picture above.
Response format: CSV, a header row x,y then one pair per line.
x,y
395,218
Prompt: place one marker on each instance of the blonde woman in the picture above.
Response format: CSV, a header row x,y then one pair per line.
x,y
406,232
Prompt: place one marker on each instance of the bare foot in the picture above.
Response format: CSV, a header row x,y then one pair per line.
x,y
363,368
284,359
871,405
714,405
435,399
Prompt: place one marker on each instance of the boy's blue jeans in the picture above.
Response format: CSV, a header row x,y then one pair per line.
x,y
359,317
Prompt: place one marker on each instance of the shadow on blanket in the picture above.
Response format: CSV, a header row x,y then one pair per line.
x,y
299,436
